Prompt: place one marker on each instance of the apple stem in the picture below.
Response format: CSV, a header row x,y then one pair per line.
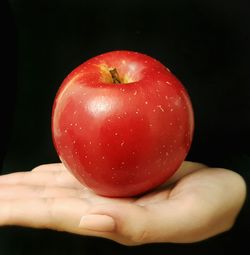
x,y
115,76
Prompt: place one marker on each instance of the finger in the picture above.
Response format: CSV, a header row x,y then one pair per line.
x,y
42,178
57,214
126,223
187,167
53,213
174,222
136,225
29,191
50,167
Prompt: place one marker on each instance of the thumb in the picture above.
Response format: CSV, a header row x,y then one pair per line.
x,y
124,223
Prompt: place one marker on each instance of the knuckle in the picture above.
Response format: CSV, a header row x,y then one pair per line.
x,y
37,168
138,237
40,191
50,204
141,237
59,177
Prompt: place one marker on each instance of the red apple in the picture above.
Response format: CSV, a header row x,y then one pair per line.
x,y
122,123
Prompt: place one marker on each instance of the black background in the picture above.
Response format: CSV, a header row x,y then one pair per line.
x,y
205,43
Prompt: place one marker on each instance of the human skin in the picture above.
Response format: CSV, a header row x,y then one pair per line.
x,y
198,202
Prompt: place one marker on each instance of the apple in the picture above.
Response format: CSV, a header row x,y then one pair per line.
x,y
122,123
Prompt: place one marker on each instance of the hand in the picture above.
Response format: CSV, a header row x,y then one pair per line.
x,y
198,202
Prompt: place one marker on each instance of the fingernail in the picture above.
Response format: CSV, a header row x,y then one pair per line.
x,y
97,222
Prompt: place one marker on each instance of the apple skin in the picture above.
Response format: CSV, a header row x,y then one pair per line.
x,y
121,140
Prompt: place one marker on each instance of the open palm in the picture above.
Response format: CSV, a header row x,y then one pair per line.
x,y
196,203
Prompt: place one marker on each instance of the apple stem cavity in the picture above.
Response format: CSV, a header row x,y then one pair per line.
x,y
115,76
